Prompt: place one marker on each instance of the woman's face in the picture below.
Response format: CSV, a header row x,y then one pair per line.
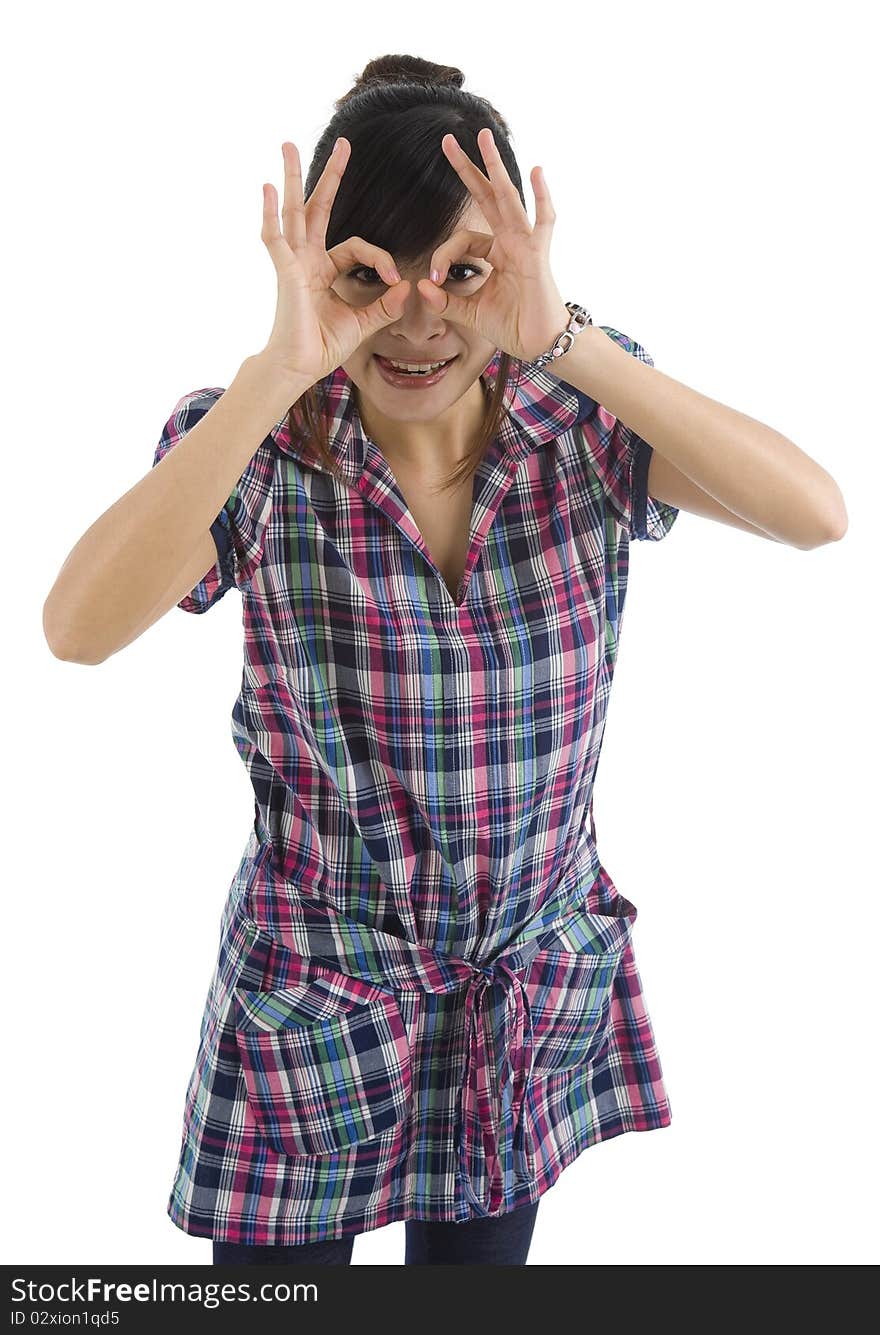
x,y
420,335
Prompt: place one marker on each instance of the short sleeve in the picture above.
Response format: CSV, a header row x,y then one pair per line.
x,y
239,529
619,459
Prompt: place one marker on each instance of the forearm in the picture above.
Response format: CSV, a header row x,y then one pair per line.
x,y
130,555
747,466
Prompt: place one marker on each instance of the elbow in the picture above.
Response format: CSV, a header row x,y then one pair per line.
x,y
836,520
55,640
61,644
66,654
830,522
837,528
71,656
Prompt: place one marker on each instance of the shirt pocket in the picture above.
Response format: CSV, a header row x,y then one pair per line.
x,y
316,1082
570,1005
570,989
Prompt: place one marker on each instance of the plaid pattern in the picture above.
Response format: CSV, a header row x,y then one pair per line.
x,y
318,1085
426,1002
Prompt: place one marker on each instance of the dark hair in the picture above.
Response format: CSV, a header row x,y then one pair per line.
x,y
399,191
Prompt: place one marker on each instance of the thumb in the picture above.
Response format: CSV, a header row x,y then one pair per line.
x,y
459,310
385,309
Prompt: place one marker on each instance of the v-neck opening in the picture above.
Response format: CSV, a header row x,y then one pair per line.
x,y
480,479
489,484
476,482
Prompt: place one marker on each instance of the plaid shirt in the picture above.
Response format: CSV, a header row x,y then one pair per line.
x,y
426,1002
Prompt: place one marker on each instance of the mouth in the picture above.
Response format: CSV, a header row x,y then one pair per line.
x,y
412,379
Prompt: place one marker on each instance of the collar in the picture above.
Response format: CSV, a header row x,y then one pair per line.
x,y
541,407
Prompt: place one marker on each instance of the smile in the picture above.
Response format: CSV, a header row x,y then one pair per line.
x,y
417,375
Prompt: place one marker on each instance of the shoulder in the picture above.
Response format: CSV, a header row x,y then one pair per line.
x,y
197,402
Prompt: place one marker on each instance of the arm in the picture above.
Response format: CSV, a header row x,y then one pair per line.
x,y
122,574
711,459
187,578
668,483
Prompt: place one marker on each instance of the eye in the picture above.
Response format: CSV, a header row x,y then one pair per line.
x,y
376,281
476,272
364,282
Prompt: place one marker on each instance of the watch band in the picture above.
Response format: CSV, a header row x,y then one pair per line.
x,y
580,318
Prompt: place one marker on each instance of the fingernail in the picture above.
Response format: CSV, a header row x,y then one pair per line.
x,y
395,276
435,275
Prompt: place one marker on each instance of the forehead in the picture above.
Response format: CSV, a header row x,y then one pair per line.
x,y
474,219
471,220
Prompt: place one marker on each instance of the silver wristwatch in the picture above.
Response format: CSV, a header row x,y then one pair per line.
x,y
580,318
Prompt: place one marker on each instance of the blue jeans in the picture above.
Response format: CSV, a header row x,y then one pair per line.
x,y
499,1240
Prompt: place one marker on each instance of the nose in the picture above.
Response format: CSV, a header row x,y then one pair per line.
x,y
417,315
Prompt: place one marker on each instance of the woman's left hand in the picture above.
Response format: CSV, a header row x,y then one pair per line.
x,y
518,308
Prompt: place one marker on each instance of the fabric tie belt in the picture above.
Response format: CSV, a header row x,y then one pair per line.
x,y
499,1047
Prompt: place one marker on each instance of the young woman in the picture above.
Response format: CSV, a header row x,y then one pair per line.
x,y
426,1002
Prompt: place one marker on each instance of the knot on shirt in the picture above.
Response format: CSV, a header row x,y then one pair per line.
x,y
497,1065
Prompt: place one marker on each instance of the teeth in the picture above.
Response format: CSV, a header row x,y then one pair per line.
x,y
416,366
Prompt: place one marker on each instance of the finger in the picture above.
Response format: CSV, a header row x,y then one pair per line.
x,y
505,193
461,243
545,214
275,243
293,221
320,201
460,310
384,310
354,250
479,187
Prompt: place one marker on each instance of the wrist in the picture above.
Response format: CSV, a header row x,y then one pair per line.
x,y
567,327
552,330
278,385
583,364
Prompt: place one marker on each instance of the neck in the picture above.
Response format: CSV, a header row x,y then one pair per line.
x,y
434,445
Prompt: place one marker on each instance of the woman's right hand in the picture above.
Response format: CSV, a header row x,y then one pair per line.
x,y
315,330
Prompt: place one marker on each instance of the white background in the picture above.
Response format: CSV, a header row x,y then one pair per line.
x,y
711,173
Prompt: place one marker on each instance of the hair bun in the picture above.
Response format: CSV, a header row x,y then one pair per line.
x,y
408,69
